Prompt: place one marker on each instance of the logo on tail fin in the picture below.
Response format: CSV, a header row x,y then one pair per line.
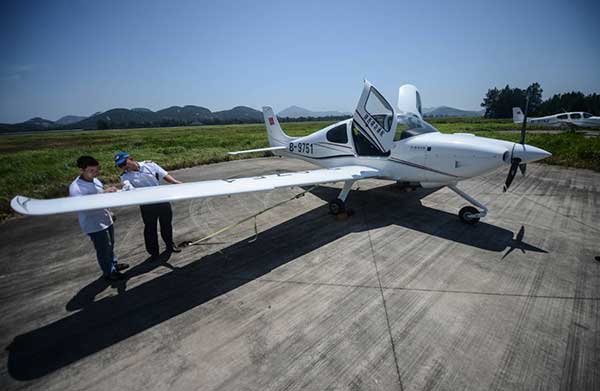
x,y
271,121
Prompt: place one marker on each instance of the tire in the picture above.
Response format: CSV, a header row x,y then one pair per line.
x,y
467,210
337,206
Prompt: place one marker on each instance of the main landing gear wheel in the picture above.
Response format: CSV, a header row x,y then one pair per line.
x,y
465,215
337,206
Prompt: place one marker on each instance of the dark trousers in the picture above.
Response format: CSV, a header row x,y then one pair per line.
x,y
150,214
104,242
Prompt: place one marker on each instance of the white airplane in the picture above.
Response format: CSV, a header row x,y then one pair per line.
x,y
380,141
580,119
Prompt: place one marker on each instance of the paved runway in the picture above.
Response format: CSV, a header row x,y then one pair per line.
x,y
400,296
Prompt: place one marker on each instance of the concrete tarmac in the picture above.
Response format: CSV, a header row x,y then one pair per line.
x,y
400,296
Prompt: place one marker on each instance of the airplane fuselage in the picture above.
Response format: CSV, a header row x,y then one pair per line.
x,y
432,158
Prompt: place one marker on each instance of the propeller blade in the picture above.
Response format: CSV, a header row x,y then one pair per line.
x,y
523,168
511,173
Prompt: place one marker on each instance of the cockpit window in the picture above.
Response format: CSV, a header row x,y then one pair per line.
x,y
575,116
379,109
587,115
409,126
339,134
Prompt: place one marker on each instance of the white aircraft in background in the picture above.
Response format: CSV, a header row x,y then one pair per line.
x,y
579,118
380,141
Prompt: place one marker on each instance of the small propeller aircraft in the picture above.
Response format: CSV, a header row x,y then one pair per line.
x,y
576,119
379,141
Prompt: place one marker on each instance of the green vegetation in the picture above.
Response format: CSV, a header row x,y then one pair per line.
x,y
43,165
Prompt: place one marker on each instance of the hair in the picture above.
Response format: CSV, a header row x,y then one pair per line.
x,y
86,161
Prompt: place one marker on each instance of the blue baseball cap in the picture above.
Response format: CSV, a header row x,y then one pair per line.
x,y
120,158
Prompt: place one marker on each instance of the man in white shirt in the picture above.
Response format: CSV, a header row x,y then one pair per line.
x,y
97,224
145,174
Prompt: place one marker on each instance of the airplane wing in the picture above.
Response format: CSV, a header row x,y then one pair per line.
x,y
257,150
184,191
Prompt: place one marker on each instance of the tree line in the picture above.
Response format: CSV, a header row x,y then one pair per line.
x,y
498,103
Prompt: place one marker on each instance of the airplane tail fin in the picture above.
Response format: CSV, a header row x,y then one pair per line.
x,y
409,100
517,115
276,135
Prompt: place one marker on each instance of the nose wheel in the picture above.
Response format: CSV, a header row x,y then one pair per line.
x,y
468,215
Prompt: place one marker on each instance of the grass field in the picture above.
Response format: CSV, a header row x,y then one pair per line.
x,y
43,165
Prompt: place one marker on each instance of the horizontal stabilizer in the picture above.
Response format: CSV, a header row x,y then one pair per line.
x,y
257,150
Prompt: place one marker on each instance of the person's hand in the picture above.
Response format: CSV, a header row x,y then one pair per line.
x,y
111,189
169,178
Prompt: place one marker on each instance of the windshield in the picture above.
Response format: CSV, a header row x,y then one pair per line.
x,y
409,126
587,115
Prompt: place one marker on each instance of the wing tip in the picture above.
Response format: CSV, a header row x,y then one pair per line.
x,y
19,204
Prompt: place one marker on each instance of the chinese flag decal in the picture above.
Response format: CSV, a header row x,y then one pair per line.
x,y
271,121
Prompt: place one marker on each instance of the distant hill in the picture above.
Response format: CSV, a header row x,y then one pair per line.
x,y
297,112
188,113
239,113
35,124
170,116
445,111
69,119
140,117
39,122
116,117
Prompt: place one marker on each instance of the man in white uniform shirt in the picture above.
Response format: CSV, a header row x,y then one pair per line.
x,y
97,224
145,174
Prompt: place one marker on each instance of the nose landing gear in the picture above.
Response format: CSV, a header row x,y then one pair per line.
x,y
469,214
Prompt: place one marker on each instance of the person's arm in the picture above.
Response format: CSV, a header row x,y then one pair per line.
x,y
74,190
163,174
169,178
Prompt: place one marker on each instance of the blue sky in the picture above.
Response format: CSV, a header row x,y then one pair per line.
x,y
79,57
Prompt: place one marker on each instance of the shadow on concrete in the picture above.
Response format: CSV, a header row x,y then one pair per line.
x,y
88,293
101,324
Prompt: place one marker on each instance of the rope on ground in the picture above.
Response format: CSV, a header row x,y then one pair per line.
x,y
254,216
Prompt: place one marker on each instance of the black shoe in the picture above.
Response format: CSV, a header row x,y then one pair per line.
x,y
174,249
122,266
155,256
115,276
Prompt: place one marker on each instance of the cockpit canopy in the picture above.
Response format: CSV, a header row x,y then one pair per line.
x,y
409,126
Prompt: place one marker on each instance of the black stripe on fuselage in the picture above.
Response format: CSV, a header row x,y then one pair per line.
x,y
320,157
420,167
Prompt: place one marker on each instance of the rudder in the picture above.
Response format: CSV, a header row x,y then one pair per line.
x,y
276,135
517,115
